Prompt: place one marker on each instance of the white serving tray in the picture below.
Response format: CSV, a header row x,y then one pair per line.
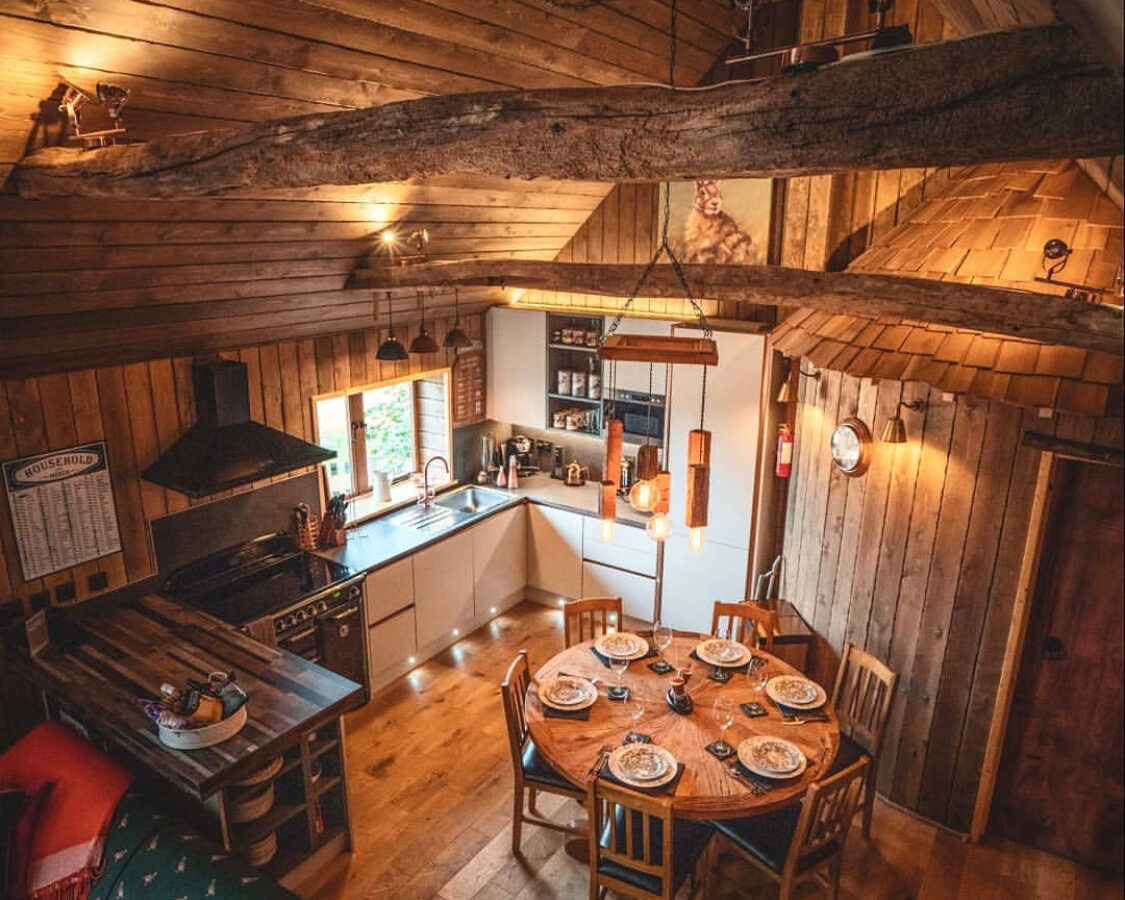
x,y
206,736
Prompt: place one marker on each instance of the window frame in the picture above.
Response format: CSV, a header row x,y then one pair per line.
x,y
357,443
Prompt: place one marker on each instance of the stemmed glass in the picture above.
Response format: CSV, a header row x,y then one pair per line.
x,y
723,713
618,667
758,678
662,637
636,711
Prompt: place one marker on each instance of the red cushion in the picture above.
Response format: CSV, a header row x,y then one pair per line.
x,y
87,786
19,828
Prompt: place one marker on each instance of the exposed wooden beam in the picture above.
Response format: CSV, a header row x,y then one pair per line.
x,y
1042,317
1028,93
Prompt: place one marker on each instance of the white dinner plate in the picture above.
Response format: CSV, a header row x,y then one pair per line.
x,y
643,765
772,757
621,645
567,692
722,652
796,692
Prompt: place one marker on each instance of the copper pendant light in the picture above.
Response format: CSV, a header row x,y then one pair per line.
x,y
455,338
422,342
391,350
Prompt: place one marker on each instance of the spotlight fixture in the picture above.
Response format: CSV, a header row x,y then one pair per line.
x,y
417,241
422,342
99,122
1056,254
455,338
391,350
894,432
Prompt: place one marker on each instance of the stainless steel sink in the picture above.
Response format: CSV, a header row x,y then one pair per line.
x,y
470,500
432,518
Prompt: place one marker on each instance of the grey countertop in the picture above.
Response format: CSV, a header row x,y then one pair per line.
x,y
377,543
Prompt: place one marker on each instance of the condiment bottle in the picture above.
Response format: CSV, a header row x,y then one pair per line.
x,y
513,473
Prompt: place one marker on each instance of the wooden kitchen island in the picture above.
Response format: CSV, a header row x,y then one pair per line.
x,y
114,652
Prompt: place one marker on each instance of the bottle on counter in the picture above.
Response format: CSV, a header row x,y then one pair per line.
x,y
594,382
501,477
513,473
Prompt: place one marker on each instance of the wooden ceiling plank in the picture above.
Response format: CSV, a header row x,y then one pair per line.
x,y
1029,315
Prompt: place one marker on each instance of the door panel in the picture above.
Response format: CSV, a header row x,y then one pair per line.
x,y
1060,787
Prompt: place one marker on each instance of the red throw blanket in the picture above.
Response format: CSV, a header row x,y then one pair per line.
x,y
70,833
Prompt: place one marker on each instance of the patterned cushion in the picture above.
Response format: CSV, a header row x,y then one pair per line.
x,y
153,857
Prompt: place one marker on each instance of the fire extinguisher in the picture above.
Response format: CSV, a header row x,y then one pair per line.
x,y
784,451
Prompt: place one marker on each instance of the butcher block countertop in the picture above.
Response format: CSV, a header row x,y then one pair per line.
x,y
122,650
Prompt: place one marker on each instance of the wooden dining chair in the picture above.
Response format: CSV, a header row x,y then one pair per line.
x,y
862,697
801,841
745,621
642,850
532,772
589,618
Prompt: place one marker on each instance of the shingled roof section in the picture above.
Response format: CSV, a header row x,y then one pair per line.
x,y
984,225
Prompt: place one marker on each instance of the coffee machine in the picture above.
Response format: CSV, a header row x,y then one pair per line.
x,y
521,447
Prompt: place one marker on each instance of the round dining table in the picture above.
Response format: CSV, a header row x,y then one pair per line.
x,y
707,789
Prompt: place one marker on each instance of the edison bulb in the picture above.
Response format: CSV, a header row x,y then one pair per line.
x,y
695,539
388,237
644,496
659,528
608,529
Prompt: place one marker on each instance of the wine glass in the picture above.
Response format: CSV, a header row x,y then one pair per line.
x,y
758,679
662,637
723,713
618,667
636,711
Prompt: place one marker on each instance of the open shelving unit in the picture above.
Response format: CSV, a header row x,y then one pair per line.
x,y
580,357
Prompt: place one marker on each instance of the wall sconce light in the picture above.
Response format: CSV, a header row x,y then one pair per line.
x,y
786,393
1056,254
894,432
95,122
417,241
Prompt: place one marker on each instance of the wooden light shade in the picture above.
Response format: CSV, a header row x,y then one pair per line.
x,y
698,477
659,349
664,482
614,441
648,462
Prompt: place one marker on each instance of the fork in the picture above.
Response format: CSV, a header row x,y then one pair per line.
x,y
599,759
755,787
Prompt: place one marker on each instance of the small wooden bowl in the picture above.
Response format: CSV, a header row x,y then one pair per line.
x,y
263,850
252,804
268,771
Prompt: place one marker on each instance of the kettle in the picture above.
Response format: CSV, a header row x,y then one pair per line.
x,y
576,474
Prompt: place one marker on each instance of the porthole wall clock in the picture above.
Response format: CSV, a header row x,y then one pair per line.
x,y
851,447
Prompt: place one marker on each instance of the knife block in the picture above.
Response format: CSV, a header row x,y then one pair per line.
x,y
330,535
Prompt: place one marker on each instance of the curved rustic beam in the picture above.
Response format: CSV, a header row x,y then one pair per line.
x,y
1027,314
1030,93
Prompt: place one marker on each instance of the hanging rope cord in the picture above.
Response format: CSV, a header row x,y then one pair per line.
x,y
665,248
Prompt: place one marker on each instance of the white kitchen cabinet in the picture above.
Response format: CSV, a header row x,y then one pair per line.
x,y
630,549
693,581
554,551
388,590
636,591
499,559
391,642
443,587
516,374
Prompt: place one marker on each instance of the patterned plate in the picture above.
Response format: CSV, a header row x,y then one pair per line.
x,y
621,645
642,765
567,692
721,652
772,757
795,691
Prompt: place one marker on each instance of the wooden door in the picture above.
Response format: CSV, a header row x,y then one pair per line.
x,y
1060,786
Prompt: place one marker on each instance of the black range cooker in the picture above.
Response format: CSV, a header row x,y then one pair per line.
x,y
285,597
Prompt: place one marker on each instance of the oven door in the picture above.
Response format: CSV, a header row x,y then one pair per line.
x,y
302,643
340,642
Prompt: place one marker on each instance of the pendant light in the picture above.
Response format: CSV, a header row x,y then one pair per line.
x,y
607,506
422,342
455,338
659,527
391,350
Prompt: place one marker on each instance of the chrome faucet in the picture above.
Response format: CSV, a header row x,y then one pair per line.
x,y
427,496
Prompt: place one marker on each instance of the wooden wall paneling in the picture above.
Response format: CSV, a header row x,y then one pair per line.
x,y
142,426
970,608
903,460
796,222
919,541
341,362
850,534
124,473
269,358
839,488
166,417
806,428
875,501
933,629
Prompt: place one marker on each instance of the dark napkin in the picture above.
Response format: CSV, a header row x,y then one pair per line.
x,y
669,788
809,715
549,712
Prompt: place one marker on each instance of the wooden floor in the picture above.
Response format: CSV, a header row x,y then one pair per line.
x,y
431,780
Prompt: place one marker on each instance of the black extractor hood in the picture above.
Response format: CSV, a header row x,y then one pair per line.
x,y
224,448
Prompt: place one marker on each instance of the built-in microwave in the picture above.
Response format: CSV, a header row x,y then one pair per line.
x,y
641,413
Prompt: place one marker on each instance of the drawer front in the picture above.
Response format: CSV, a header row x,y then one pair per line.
x,y
637,592
391,641
631,548
389,589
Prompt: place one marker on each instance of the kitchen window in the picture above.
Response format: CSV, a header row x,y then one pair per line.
x,y
393,428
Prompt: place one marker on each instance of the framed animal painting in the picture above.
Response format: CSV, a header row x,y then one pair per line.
x,y
722,222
